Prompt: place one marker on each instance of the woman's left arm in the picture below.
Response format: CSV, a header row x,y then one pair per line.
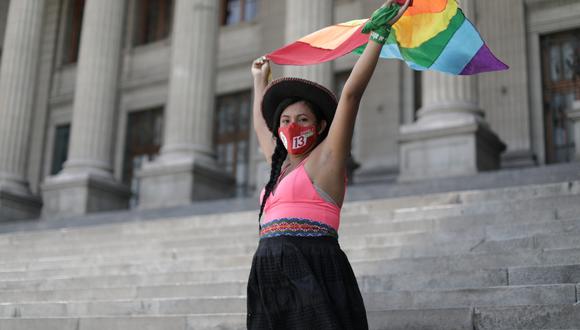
x,y
336,147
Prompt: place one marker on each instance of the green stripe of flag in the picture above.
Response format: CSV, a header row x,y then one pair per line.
x,y
426,54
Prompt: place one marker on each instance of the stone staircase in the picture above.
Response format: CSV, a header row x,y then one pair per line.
x,y
503,258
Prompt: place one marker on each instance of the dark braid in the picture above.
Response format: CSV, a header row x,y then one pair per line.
x,y
278,158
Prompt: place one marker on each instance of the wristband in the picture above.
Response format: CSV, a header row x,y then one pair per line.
x,y
380,36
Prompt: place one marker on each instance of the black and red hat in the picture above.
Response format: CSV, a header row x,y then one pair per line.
x,y
282,89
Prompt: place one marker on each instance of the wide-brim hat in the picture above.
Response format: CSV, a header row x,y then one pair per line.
x,y
285,88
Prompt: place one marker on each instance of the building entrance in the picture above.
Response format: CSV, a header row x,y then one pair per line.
x,y
142,143
232,137
561,86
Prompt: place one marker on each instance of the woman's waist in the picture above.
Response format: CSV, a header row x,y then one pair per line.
x,y
302,227
318,213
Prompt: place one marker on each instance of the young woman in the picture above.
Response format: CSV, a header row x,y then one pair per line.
x,y
300,278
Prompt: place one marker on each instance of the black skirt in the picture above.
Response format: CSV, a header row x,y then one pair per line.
x,y
303,283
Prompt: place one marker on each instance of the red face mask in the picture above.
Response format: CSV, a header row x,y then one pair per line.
x,y
298,139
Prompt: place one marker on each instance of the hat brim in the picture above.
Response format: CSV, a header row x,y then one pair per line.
x,y
285,88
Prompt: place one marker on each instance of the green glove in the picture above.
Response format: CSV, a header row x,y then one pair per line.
x,y
379,26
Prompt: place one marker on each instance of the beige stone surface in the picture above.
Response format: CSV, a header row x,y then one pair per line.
x,y
512,99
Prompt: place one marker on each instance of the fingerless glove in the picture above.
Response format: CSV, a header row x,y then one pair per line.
x,y
378,26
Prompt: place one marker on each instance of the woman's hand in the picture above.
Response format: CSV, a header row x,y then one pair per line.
x,y
401,11
261,71
379,25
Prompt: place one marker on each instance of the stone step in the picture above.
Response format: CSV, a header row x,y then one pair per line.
x,y
138,279
154,253
160,255
155,322
159,289
181,231
566,316
483,234
151,251
514,193
492,296
421,319
378,251
514,258
241,261
421,262
535,317
130,288
521,192
484,318
565,205
483,296
544,274
497,296
247,244
232,278
182,290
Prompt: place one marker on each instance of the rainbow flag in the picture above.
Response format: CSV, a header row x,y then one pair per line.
x,y
432,35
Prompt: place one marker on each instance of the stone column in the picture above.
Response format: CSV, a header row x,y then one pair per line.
x,y
18,73
186,169
574,116
302,18
86,183
450,137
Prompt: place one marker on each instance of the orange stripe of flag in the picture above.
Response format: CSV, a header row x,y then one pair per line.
x,y
426,7
333,36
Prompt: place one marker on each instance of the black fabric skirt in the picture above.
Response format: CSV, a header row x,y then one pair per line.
x,y
303,283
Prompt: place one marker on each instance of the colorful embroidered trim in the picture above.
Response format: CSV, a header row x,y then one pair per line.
x,y
296,227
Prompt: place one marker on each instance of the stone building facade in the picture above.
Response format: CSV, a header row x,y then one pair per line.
x,y
116,104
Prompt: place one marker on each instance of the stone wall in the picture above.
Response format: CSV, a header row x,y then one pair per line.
x,y
145,73
511,100
504,95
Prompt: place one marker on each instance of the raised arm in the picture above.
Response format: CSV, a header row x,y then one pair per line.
x,y
338,143
260,72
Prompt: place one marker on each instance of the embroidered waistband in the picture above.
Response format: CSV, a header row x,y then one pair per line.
x,y
296,227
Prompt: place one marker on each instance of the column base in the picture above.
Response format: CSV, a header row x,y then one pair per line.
x,y
72,195
518,159
174,183
436,152
16,206
375,174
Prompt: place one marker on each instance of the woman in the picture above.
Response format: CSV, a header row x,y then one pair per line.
x,y
300,278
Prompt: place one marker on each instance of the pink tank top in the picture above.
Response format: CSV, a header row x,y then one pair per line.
x,y
296,197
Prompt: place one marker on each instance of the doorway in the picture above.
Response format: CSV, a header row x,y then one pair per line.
x,y
561,86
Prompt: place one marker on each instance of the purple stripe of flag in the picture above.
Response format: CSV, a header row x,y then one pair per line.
x,y
483,61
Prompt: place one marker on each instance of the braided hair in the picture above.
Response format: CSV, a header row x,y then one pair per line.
x,y
280,152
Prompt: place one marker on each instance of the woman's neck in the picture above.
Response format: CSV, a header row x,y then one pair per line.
x,y
294,160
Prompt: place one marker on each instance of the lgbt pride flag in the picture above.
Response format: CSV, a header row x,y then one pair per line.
x,y
432,35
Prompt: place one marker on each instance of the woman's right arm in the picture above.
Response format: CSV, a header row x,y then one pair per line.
x,y
261,72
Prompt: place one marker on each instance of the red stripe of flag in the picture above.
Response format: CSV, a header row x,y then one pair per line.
x,y
300,53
